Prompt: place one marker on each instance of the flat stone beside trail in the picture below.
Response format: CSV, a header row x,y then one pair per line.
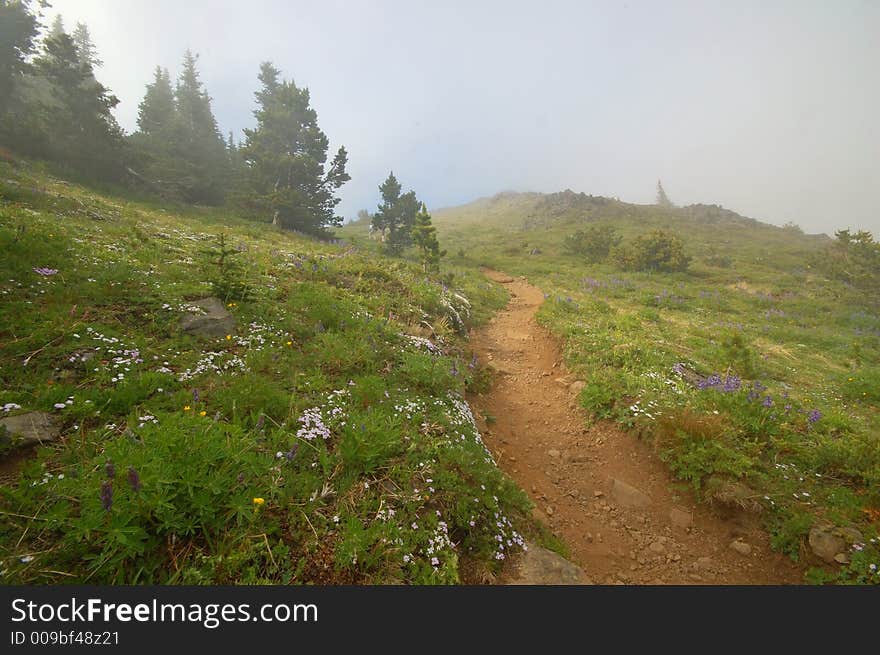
x,y
539,566
627,495
31,428
215,321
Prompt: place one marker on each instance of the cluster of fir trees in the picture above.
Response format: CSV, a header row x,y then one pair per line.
x,y
402,221
51,105
53,108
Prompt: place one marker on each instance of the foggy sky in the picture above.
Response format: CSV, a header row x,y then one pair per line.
x,y
768,108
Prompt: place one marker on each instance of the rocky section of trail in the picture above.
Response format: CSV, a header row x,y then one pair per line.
x,y
604,493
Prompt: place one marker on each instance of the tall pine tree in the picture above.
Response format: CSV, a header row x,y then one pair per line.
x,y
156,111
18,32
424,236
200,165
179,148
287,158
396,215
86,49
77,117
662,199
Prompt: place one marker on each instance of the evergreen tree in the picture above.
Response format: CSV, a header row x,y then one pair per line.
x,y
18,32
424,235
286,154
57,28
153,144
156,111
87,51
199,167
396,216
385,217
662,199
179,147
77,118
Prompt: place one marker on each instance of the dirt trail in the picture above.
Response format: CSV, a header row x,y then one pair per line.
x,y
539,439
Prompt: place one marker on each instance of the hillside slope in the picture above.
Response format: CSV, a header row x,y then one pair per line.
x,y
315,434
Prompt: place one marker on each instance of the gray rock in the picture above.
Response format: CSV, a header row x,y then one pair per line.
x,y
539,566
657,547
626,495
577,386
216,321
680,518
828,541
31,428
824,543
741,547
553,453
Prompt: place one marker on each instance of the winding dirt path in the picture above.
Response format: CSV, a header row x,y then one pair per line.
x,y
535,428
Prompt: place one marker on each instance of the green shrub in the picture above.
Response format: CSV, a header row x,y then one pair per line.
x,y
656,251
592,244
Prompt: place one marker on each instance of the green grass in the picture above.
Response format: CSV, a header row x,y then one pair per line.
x,y
754,304
191,461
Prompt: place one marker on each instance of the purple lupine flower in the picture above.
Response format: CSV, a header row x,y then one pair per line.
x,y
110,469
195,396
290,454
45,272
107,495
731,383
711,382
454,370
473,363
134,480
767,402
814,416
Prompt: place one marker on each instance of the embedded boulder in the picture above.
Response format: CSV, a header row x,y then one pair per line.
x,y
30,429
830,542
209,318
628,496
539,566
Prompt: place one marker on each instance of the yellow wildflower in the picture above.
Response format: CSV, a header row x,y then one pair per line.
x,y
203,413
186,408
